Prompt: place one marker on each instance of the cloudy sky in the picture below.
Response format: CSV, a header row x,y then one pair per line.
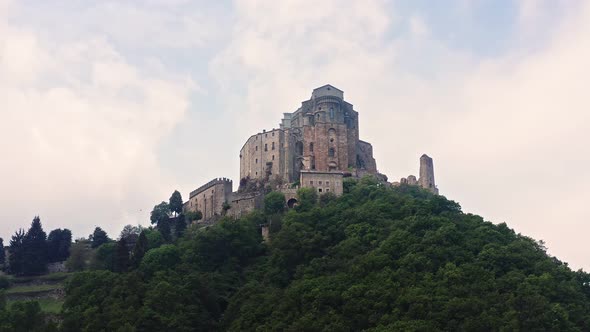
x,y
108,106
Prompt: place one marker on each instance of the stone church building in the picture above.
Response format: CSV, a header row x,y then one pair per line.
x,y
315,146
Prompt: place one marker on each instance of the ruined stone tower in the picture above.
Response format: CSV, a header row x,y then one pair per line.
x,y
426,180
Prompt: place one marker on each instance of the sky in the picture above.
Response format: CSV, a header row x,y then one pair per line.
x,y
107,107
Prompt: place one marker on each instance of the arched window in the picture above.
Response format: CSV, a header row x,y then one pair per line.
x,y
331,113
265,147
273,145
331,152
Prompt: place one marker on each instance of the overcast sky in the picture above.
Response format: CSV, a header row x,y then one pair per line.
x,y
108,106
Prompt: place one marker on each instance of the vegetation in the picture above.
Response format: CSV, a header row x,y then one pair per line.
x,y
374,259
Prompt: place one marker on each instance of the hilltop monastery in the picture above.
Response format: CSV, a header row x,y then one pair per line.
x,y
316,146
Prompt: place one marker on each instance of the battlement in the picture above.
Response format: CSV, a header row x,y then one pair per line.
x,y
210,184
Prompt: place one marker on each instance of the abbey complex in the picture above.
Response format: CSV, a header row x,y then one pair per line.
x,y
317,146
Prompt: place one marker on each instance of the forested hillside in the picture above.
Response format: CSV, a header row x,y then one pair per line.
x,y
375,259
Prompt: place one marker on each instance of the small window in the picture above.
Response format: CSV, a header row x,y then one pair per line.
x,y
256,173
320,182
327,183
256,147
257,160
273,145
320,189
265,147
310,147
327,190
331,113
331,152
311,183
265,135
273,133
331,140
273,157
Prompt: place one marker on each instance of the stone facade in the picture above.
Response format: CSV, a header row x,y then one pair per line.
x,y
322,135
323,182
210,198
317,146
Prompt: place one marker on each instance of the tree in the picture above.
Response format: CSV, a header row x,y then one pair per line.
x,y
180,225
165,229
35,249
99,237
141,247
121,263
58,245
2,253
274,202
160,212
16,250
130,230
192,216
78,256
307,197
176,203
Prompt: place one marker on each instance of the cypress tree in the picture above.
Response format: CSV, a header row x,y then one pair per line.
x,y
176,202
16,258
141,247
35,249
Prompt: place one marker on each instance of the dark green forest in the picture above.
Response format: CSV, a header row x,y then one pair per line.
x,y
377,258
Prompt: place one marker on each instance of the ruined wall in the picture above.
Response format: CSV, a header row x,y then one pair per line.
x,y
209,198
426,179
365,158
323,182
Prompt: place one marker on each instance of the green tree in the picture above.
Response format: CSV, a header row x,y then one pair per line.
x,y
160,212
35,249
274,202
165,229
139,250
121,263
99,237
2,253
58,245
163,258
77,261
176,203
179,225
192,216
104,257
154,238
130,231
307,198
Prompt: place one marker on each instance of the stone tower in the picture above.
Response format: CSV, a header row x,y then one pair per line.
x,y
426,180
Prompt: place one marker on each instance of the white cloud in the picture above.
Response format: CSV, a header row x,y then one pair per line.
x,y
80,131
508,134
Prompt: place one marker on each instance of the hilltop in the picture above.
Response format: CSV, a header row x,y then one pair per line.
x,y
377,258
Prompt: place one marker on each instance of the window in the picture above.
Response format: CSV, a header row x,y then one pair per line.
x,y
273,133
273,145
310,147
265,147
320,189
320,182
331,152
256,147
331,113
257,160
265,135
273,157
256,173
311,183
327,190
327,183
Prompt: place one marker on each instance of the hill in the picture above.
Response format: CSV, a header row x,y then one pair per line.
x,y
375,259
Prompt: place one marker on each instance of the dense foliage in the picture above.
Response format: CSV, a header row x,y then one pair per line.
x,y
59,242
374,259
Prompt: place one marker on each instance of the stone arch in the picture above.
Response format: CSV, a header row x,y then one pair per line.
x,y
292,203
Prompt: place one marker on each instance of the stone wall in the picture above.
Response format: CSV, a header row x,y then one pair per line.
x,y
262,155
323,182
210,198
244,203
